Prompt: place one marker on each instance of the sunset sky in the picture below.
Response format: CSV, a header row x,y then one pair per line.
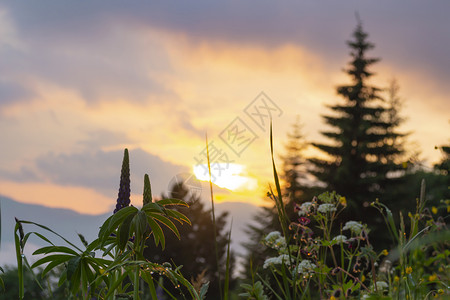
x,y
81,81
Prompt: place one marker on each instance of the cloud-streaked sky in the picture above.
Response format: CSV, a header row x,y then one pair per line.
x,y
80,81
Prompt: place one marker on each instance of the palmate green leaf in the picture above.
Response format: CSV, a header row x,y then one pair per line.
x,y
140,225
43,238
115,285
149,280
178,216
50,258
86,276
169,201
73,266
158,234
123,233
74,280
62,278
166,222
114,221
153,207
61,249
48,229
112,243
104,228
54,263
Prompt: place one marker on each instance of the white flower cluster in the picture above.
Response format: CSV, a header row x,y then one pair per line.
x,y
305,208
339,239
275,240
283,258
353,226
382,285
305,267
327,207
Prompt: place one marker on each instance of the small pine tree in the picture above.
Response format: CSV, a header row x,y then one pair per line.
x,y
294,165
294,189
194,251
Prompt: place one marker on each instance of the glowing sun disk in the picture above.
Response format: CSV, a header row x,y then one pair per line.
x,y
227,176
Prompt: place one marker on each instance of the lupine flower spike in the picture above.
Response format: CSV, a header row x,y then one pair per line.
x,y
147,190
123,199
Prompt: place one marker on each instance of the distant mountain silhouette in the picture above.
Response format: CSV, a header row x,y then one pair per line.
x,y
68,223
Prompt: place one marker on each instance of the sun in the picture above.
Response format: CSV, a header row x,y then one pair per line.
x,y
229,176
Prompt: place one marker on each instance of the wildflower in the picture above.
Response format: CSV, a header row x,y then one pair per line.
x,y
363,278
304,221
123,199
332,297
283,258
386,266
396,279
353,226
434,210
280,243
432,277
275,240
305,208
408,270
326,208
272,236
384,252
381,285
339,239
448,209
343,201
305,267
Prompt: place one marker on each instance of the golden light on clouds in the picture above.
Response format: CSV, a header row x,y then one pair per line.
x,y
82,200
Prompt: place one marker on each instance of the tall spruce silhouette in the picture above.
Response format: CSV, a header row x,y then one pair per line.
x,y
362,153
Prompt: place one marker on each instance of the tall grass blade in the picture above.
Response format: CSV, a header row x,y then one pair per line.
x,y
18,244
213,218
278,199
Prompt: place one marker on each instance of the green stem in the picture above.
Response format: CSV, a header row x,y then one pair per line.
x,y
136,284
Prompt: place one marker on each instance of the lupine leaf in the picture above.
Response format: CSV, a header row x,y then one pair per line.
x,y
168,223
178,216
123,233
158,234
50,258
48,249
172,202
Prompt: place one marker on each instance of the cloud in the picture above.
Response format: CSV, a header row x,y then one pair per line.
x,y
100,65
100,170
104,139
11,92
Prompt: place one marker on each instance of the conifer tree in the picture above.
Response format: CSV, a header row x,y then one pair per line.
x,y
294,189
294,164
194,251
362,152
